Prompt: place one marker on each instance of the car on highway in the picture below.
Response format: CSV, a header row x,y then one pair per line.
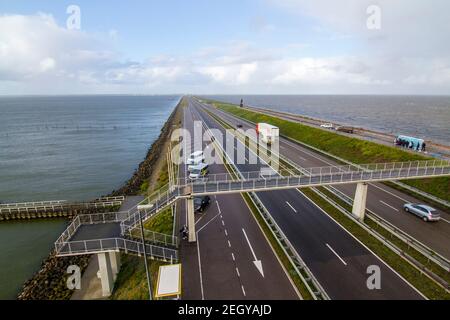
x,y
195,158
425,212
199,171
345,129
201,203
239,126
327,125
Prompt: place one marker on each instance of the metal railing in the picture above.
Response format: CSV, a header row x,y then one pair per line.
x,y
154,237
70,248
52,206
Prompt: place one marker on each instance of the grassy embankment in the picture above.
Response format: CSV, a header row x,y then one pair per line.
x,y
352,149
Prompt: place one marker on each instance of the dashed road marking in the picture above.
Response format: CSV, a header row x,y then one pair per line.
x,y
229,244
386,204
291,207
232,256
243,290
237,271
342,260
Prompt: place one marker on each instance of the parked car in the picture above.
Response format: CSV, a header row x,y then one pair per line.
x,y
425,212
201,203
327,125
345,129
239,126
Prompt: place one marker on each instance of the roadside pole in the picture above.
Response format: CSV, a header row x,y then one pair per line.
x,y
145,257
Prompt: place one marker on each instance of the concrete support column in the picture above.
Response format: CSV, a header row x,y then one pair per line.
x,y
359,203
191,219
105,273
115,263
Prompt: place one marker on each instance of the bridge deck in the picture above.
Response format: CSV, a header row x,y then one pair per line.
x,y
97,231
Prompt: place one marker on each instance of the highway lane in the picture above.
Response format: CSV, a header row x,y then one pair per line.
x,y
221,264
382,200
338,261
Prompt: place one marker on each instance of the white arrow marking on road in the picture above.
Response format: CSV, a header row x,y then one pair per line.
x,y
258,263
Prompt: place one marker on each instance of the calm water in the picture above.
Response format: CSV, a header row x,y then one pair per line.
x,y
73,148
422,116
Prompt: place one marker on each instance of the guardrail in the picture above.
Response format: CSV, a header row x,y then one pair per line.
x,y
30,204
50,206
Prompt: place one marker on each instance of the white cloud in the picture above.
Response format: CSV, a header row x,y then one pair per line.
x,y
36,54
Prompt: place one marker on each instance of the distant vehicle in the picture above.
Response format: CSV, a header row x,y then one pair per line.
x,y
425,212
345,129
239,125
201,203
196,158
327,125
267,132
410,143
198,171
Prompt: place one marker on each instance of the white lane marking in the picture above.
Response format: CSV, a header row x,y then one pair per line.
x,y
256,262
237,271
218,207
232,256
200,267
229,244
445,220
342,260
392,194
386,204
207,223
226,232
243,290
291,207
223,223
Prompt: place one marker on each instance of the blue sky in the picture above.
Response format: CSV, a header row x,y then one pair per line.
x,y
199,46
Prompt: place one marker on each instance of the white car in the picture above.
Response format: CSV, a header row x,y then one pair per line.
x,y
327,125
195,158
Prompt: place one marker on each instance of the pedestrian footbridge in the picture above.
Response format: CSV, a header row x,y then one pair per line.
x,y
105,233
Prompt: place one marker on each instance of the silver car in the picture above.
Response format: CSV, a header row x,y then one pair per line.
x,y
425,212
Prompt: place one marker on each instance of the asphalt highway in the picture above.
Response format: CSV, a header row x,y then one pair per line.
x,y
337,259
221,264
382,200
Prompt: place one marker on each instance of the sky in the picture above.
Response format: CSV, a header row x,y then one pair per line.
x,y
225,47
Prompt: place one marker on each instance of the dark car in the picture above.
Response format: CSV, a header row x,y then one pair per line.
x,y
239,125
345,129
201,203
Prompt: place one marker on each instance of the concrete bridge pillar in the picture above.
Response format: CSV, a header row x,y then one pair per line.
x,y
191,219
359,203
109,265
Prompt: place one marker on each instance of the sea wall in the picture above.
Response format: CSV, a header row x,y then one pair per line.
x,y
49,283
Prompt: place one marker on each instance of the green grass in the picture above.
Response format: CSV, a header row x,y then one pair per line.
x,y
352,149
411,274
161,223
131,283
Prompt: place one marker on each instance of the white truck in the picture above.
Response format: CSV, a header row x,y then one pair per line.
x,y
267,132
